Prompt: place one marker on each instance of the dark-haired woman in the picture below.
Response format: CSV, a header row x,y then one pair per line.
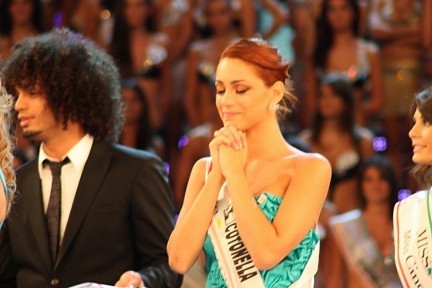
x,y
19,19
335,135
340,51
364,236
412,216
140,51
203,59
137,131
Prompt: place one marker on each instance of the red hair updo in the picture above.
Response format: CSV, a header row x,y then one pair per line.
x,y
269,64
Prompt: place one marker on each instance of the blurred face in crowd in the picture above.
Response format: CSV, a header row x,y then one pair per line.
x,y
340,15
132,105
421,138
219,16
21,11
136,12
330,105
375,188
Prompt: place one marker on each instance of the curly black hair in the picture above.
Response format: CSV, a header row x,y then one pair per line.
x,y
80,82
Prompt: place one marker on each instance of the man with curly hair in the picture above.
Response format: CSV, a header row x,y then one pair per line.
x,y
116,206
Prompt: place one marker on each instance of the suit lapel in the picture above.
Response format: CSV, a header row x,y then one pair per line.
x,y
37,219
92,177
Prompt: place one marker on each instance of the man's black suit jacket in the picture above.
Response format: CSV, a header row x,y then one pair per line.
x,y
120,220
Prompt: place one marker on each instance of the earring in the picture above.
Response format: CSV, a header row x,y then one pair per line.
x,y
273,106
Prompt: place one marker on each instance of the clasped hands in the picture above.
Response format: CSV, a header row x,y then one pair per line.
x,y
228,150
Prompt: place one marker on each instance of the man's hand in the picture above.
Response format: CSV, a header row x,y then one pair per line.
x,y
130,279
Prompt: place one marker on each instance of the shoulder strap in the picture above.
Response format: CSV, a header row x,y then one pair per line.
x,y
3,181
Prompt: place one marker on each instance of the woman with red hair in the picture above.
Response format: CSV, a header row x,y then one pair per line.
x,y
259,234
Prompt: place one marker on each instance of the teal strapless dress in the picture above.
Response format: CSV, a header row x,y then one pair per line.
x,y
282,275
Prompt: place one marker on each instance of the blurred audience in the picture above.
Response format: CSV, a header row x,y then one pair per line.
x,y
18,19
82,16
335,135
176,18
196,143
364,237
273,26
397,26
137,131
427,40
341,52
203,58
201,112
140,51
302,17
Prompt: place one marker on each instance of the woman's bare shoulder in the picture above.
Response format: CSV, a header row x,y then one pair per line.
x,y
311,162
203,164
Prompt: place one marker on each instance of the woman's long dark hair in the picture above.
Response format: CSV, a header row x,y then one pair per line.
x,y
144,133
204,30
384,166
342,89
6,20
120,43
325,37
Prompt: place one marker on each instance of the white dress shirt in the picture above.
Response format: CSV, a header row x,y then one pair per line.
x,y
70,177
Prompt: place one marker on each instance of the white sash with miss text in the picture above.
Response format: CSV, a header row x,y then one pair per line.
x,y
413,240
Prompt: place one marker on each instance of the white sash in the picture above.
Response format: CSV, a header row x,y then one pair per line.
x,y
233,258
361,252
413,240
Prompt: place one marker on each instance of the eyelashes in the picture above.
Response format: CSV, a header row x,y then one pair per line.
x,y
238,91
242,91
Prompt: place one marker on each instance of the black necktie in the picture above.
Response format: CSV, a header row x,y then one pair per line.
x,y
54,206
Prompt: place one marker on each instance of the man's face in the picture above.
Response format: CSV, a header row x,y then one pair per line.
x,y
34,116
